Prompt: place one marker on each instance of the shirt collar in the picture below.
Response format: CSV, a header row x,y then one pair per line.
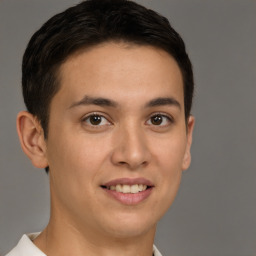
x,y
156,252
27,247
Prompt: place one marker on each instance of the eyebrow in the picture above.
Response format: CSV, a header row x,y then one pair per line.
x,y
163,102
104,102
88,100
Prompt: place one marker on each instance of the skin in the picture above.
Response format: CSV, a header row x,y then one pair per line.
x,y
126,143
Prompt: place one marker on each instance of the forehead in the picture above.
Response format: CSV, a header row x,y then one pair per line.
x,y
121,71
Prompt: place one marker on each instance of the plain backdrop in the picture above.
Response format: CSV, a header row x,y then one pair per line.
x,y
214,213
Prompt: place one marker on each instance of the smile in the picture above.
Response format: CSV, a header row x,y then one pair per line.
x,y
128,191
133,189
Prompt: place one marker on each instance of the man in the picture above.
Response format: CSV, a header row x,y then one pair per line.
x,y
108,87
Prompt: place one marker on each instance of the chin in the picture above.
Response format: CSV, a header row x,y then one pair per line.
x,y
131,232
131,226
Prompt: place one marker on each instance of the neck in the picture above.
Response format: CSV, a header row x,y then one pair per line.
x,y
63,238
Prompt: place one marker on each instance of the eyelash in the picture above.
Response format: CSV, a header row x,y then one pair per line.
x,y
163,116
87,117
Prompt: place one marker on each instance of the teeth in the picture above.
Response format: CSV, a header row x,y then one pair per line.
x,y
134,189
118,188
128,189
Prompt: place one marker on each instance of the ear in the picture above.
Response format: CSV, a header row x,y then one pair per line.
x,y
187,156
32,140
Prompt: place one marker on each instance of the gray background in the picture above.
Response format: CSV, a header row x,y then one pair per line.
x,y
214,213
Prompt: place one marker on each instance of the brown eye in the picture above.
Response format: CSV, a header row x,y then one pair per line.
x,y
160,120
95,120
157,120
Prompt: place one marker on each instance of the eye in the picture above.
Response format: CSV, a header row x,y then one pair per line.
x,y
96,120
159,120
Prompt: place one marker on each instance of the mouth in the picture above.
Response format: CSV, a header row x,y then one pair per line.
x,y
126,189
129,191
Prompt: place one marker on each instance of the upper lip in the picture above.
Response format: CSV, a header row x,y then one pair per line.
x,y
129,181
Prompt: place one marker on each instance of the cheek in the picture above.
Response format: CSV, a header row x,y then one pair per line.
x,y
76,162
74,171
170,153
75,153
170,158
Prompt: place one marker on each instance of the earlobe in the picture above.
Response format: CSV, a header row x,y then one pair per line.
x,y
187,156
32,140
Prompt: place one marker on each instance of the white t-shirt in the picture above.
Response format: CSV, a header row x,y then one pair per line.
x,y
26,247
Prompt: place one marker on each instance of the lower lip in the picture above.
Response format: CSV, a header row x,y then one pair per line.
x,y
129,198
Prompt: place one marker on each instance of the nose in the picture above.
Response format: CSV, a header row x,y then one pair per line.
x,y
131,148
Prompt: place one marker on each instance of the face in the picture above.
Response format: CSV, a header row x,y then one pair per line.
x,y
117,142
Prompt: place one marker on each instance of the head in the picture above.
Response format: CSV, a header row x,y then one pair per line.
x,y
88,24
108,86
